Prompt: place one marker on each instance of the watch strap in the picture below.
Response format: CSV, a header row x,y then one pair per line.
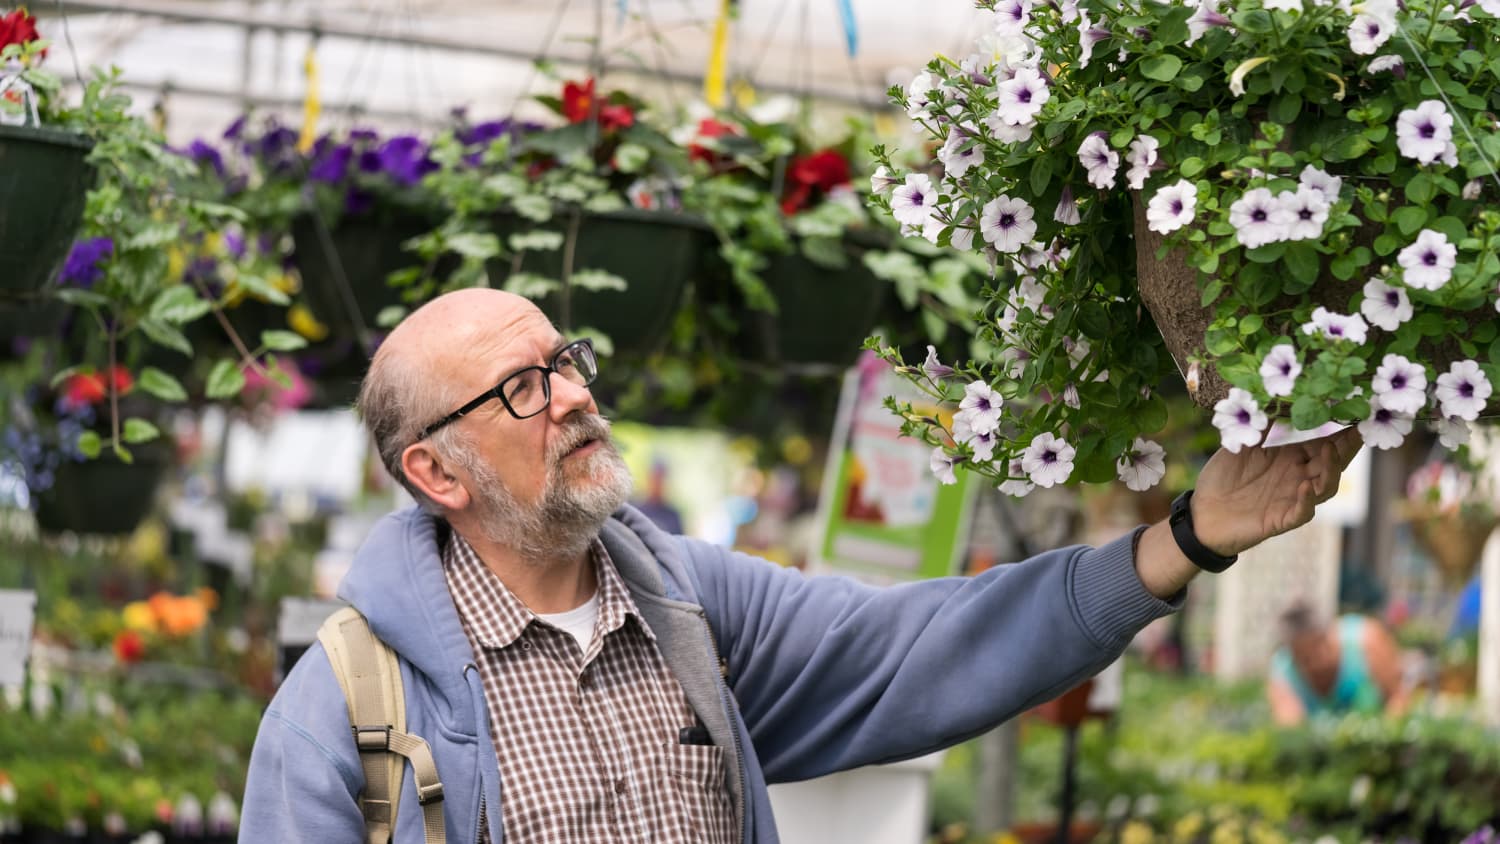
x,y
1181,521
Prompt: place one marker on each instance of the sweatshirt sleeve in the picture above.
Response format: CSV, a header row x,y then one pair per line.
x,y
831,674
302,782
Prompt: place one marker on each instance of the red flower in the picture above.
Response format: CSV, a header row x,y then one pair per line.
x,y
578,100
18,27
129,647
708,127
821,171
92,388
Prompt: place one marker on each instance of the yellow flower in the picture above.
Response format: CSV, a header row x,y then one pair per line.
x,y
176,262
1237,78
303,322
1137,832
1187,827
286,283
139,616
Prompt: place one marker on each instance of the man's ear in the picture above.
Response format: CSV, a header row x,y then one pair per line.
x,y
427,472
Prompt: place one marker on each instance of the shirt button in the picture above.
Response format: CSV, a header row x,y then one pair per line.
x,y
525,645
620,787
585,681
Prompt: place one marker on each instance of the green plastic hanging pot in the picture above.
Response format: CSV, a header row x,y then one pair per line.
x,y
655,252
368,249
44,175
823,313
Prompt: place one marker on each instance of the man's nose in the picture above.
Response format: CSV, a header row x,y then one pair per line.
x,y
568,396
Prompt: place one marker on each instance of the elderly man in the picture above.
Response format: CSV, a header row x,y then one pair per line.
x,y
583,676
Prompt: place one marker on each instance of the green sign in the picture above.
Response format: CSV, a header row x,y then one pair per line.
x,y
883,513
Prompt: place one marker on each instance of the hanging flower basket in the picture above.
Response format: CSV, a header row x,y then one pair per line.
x,y
1454,539
653,252
25,319
103,495
823,313
367,248
44,175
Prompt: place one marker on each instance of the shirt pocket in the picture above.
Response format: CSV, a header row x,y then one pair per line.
x,y
695,787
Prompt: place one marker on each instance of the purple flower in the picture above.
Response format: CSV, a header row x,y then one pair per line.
x,y
82,269
236,129
204,153
234,243
331,166
364,135
404,160
357,201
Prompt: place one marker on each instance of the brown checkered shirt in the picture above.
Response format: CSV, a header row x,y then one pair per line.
x,y
588,742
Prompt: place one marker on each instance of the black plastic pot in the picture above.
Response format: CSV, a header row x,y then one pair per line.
x,y
367,248
44,175
103,495
655,252
823,314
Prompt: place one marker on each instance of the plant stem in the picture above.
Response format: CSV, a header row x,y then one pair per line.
x,y
234,337
114,393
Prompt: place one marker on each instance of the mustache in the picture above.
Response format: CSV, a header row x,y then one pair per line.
x,y
577,431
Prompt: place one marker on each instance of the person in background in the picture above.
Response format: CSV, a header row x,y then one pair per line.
x,y
1323,668
655,506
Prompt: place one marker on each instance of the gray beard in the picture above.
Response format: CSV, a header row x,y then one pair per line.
x,y
575,502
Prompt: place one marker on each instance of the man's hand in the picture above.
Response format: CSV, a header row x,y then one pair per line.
x,y
1244,499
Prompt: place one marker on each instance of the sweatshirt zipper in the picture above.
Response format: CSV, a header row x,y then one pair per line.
x,y
734,733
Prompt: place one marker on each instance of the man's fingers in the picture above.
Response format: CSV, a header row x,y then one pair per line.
x,y
1346,444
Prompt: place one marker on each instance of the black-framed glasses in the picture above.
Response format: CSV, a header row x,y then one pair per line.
x,y
527,392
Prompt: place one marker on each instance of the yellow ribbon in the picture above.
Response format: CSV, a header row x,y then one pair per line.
x,y
713,78
312,106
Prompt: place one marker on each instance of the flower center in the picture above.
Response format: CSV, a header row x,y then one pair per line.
x,y
1177,207
1259,215
1398,382
1244,417
1335,330
1286,368
1007,220
1049,457
1427,130
1305,214
917,198
1466,390
1430,259
1024,95
1392,298
1382,416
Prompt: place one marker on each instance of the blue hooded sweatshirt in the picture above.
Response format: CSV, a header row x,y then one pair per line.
x,y
794,677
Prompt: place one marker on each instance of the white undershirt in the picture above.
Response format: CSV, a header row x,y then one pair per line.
x,y
577,622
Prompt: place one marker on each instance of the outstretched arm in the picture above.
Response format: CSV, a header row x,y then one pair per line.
x,y
1244,499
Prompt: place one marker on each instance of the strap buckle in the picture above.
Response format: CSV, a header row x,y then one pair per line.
x,y
430,793
372,739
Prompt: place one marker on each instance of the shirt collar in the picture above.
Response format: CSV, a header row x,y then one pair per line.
x,y
497,618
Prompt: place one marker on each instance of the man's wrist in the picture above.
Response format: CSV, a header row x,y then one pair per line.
x,y
1185,532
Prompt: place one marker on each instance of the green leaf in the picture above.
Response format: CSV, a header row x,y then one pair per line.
x,y
140,431
225,380
390,315
597,280
282,341
1250,323
89,444
161,385
536,240
1041,175
262,289
1212,291
1152,416
1420,190
630,158
1409,219
1093,319
1192,166
1286,108
166,335
1303,262
531,285
1267,254
1386,243
82,298
157,234
1162,68
477,245
123,453
178,304
1309,412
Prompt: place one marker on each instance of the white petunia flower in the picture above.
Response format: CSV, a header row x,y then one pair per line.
x,y
1067,208
1462,390
1367,34
1239,419
1007,223
1473,187
1011,17
1384,428
941,463
1005,133
1315,178
934,368
1141,157
982,442
1452,432
1205,17
1337,326
1143,466
1259,218
1099,160
1029,293
1393,63
881,181
1491,6
1019,485
1020,99
1423,133
1428,263
962,237
1279,370
1385,306
912,202
1172,207
919,95
1088,36
957,160
1048,461
1400,385
1307,212
981,406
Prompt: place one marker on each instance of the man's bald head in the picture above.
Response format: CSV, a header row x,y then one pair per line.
x,y
419,372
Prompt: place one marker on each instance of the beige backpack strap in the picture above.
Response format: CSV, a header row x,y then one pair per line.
x,y
370,676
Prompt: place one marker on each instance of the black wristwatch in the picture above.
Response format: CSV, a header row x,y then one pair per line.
x,y
1181,521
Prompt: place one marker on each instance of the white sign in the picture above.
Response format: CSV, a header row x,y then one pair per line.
x,y
301,618
17,611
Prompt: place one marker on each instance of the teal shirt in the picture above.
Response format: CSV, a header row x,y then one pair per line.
x,y
1354,690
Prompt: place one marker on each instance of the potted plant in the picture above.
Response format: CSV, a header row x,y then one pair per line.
x,y
1452,514
1293,195
43,168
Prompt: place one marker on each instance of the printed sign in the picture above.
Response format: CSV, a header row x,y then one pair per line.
x,y
882,513
297,627
17,612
